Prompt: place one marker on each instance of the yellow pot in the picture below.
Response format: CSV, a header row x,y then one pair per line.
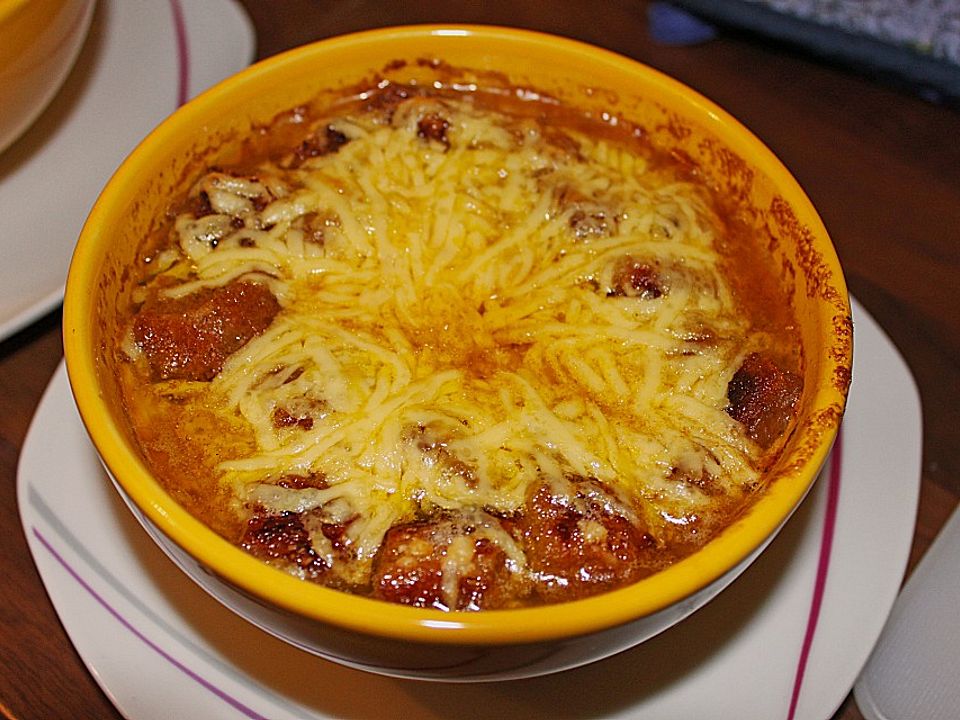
x,y
406,641
39,42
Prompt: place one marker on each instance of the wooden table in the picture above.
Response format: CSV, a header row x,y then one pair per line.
x,y
882,166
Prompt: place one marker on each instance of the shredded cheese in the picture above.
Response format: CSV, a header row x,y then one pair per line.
x,y
454,332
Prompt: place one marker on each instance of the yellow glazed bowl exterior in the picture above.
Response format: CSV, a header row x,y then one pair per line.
x,y
422,643
39,42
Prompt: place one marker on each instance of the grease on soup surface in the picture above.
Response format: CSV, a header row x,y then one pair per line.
x,y
452,352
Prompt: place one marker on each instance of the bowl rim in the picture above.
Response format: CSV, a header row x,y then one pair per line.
x,y
731,547
9,7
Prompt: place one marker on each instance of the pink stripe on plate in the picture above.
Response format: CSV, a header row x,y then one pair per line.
x,y
183,53
196,677
823,566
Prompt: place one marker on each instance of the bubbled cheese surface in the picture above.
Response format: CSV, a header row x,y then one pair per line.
x,y
456,329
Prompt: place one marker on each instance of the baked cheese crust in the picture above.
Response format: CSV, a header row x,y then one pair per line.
x,y
476,311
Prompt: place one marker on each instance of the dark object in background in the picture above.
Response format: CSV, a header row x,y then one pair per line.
x,y
913,43
671,25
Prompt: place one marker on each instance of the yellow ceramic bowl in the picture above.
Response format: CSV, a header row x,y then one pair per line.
x,y
423,643
39,41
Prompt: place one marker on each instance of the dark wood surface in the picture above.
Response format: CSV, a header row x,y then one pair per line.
x,y
881,164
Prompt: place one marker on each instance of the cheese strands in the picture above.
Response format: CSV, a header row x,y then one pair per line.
x,y
471,305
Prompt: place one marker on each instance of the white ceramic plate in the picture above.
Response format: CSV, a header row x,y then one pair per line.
x,y
140,61
161,648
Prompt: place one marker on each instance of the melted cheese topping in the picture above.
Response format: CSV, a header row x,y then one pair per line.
x,y
460,325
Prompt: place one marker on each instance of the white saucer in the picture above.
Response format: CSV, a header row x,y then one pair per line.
x,y
132,72
161,648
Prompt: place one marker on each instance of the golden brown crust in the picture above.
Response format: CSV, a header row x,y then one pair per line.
x,y
571,536
581,548
764,398
189,338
